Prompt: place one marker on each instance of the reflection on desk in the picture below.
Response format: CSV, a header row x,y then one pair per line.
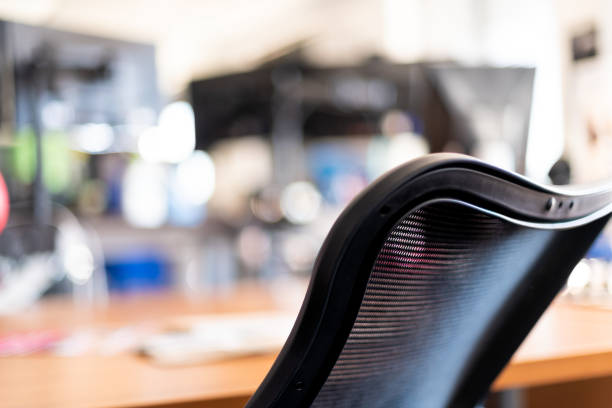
x,y
570,342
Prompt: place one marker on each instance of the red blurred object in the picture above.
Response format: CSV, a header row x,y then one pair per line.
x,y
4,203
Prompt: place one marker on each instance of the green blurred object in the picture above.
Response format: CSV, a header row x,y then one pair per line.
x,y
56,159
24,156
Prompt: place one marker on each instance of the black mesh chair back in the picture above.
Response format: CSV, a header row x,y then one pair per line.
x,y
427,284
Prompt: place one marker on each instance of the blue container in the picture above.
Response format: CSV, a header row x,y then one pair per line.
x,y
138,271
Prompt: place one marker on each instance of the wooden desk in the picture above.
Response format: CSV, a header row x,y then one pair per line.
x,y
570,342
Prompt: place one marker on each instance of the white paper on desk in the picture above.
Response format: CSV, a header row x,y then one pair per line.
x,y
219,337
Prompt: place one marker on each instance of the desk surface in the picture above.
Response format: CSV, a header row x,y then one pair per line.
x,y
570,342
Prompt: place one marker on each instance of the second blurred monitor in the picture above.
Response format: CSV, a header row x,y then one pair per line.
x,y
483,111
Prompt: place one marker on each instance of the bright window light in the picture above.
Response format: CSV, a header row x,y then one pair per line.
x,y
300,202
195,178
94,137
173,139
145,198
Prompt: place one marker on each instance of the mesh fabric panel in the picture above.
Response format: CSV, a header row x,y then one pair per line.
x,y
441,276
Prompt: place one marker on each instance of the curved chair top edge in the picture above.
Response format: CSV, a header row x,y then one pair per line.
x,y
599,195
435,161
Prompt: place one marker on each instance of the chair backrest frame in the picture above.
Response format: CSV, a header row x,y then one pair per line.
x,y
344,264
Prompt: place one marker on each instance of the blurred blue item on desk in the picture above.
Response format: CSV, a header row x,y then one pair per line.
x,y
338,169
601,249
138,271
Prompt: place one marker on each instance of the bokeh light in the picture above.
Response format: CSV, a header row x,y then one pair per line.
x,y
300,202
145,198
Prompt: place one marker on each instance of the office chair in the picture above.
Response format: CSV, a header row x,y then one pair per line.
x,y
427,284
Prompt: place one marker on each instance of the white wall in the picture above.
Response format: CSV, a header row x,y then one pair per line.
x,y
495,32
588,85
